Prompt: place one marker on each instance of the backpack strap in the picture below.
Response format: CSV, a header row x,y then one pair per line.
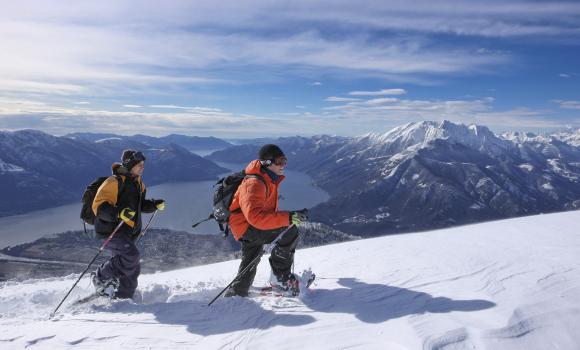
x,y
261,178
255,176
121,187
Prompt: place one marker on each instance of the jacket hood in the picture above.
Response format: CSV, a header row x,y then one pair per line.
x,y
255,168
119,169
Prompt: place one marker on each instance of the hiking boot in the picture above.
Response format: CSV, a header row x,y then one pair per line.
x,y
104,288
231,292
288,283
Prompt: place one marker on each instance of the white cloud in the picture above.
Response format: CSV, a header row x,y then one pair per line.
x,y
341,99
39,87
169,107
144,47
567,104
393,111
132,106
347,119
379,101
129,48
20,114
82,103
378,93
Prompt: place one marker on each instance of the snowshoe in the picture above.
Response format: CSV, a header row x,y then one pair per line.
x,y
289,285
104,288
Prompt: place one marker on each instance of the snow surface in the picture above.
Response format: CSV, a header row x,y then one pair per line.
x,y
511,284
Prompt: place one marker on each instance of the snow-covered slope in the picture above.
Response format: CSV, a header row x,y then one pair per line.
x,y
512,284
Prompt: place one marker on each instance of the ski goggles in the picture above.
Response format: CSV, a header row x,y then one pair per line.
x,y
281,161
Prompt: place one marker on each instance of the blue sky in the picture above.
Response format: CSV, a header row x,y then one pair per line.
x,y
273,68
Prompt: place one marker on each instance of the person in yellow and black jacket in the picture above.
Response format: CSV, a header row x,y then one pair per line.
x,y
122,197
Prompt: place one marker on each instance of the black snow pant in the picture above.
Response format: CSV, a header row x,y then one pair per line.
x,y
124,265
281,258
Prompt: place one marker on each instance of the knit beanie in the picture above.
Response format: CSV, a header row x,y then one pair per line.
x,y
270,152
131,158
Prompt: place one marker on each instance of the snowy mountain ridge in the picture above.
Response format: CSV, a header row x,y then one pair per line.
x,y
432,174
428,175
38,170
570,136
511,284
420,134
8,168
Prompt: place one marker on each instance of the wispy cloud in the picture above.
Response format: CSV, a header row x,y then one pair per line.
x,y
144,46
351,118
393,111
20,114
169,107
341,99
380,101
130,51
378,93
567,104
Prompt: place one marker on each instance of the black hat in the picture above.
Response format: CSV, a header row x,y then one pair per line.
x,y
270,152
131,158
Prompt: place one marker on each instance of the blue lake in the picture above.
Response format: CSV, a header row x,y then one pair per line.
x,y
186,202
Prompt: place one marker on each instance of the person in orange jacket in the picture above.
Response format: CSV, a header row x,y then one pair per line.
x,y
122,198
255,220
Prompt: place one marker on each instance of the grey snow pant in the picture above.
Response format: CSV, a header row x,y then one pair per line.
x,y
124,265
281,259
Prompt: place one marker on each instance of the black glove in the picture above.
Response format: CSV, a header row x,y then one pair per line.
x,y
299,216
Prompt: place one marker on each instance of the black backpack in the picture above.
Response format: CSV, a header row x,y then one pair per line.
x,y
87,215
223,195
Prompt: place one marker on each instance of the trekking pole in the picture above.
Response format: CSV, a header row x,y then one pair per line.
x,y
85,271
204,220
252,263
146,226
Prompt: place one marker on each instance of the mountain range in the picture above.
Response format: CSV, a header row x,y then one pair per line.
x,y
428,175
417,176
38,170
191,143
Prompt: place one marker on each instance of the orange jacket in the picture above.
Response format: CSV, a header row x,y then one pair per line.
x,y
258,203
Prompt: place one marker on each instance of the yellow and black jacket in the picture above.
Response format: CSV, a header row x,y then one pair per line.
x,y
109,202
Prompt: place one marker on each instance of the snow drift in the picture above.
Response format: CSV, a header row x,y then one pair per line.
x,y
511,284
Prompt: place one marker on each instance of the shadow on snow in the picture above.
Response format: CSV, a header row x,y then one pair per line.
x,y
370,303
376,303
